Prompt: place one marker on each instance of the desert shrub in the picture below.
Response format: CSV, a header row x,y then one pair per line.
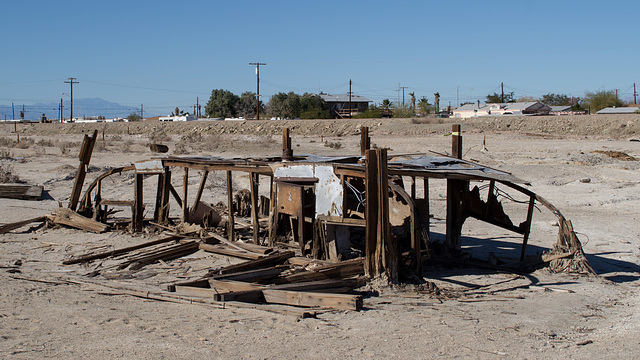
x,y
46,143
66,147
6,177
24,143
159,136
180,148
127,145
7,142
333,145
5,155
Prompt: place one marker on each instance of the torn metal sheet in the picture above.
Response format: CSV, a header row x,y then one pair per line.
x,y
149,167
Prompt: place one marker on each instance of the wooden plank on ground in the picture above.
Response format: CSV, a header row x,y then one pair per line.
x,y
115,252
271,260
68,217
223,249
313,299
21,191
340,270
16,225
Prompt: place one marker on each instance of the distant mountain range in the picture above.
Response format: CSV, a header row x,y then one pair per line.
x,y
81,107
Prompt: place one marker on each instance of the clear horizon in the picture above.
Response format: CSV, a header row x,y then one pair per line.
x,y
164,55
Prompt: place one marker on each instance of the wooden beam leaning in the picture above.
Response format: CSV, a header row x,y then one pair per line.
x,y
163,215
527,226
185,191
203,182
85,157
230,209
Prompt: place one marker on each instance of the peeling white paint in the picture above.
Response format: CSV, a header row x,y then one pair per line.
x,y
328,189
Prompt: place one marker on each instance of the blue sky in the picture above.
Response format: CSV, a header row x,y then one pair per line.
x,y
164,54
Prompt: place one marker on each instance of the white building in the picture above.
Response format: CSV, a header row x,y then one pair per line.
x,y
178,118
498,109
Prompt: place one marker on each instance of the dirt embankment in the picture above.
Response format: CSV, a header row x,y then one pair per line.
x,y
599,126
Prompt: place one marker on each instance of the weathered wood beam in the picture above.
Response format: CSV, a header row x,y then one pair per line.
x,y
85,157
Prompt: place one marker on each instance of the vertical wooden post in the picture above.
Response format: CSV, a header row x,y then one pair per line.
x,y
381,250
273,217
185,191
455,194
365,140
254,178
138,207
527,226
157,212
232,223
287,152
85,156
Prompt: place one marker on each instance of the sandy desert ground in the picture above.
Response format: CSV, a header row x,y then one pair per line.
x,y
480,313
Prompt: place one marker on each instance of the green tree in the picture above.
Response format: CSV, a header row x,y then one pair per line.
x,y
601,99
222,103
313,106
285,106
134,116
424,108
247,105
496,98
559,100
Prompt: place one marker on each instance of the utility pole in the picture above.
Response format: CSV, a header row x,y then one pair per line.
x,y
142,111
635,94
60,111
457,96
71,82
617,93
257,65
13,112
502,92
197,107
349,98
403,87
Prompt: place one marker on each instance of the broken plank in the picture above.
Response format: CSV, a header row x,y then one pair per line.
x,y
225,250
231,285
255,275
313,299
89,257
16,225
332,271
258,249
68,217
271,260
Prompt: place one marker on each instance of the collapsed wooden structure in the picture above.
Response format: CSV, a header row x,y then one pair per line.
x,y
345,216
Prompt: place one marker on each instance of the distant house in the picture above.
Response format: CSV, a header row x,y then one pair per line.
x,y
178,118
620,110
339,104
564,110
498,109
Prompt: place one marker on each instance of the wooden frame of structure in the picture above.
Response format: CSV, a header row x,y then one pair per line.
x,y
315,197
